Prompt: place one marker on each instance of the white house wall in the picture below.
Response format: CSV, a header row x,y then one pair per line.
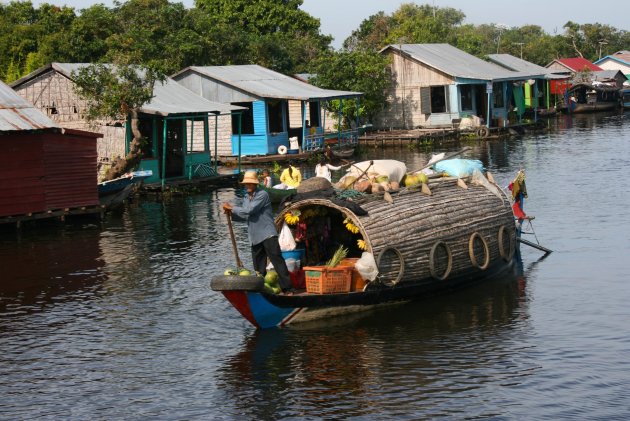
x,y
609,64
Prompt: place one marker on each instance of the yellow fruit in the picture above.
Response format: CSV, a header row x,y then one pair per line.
x,y
362,245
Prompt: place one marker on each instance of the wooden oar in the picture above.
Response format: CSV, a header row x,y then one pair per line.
x,y
239,264
534,245
449,156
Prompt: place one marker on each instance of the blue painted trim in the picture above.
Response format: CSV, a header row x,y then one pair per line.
x,y
266,314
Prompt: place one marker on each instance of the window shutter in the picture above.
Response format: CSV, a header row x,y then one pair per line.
x,y
447,96
425,100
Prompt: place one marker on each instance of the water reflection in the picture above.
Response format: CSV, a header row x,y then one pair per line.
x,y
295,371
41,265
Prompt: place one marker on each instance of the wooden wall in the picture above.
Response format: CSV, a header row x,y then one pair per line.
x,y
54,95
403,102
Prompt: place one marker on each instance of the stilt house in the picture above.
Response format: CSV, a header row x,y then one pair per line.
x,y
278,107
538,96
176,123
436,85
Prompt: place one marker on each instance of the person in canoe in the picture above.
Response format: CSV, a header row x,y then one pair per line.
x,y
263,236
322,169
266,179
291,177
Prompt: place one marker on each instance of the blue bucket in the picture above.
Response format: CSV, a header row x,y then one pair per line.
x,y
297,254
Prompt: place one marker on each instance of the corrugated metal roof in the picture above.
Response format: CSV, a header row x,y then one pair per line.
x,y
17,114
266,83
516,64
457,63
578,64
622,57
170,98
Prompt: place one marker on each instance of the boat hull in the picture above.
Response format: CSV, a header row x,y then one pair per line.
x,y
265,310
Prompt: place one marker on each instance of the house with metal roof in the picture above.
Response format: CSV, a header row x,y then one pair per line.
x,y
545,93
435,85
176,123
617,61
45,170
271,100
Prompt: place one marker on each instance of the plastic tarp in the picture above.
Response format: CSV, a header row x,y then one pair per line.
x,y
459,167
393,169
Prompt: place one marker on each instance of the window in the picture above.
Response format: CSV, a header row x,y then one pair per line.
x,y
438,99
313,113
497,95
247,118
466,94
274,113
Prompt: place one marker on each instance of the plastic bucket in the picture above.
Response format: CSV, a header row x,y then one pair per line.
x,y
297,254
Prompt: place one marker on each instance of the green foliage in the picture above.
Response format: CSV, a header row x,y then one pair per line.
x,y
358,71
115,91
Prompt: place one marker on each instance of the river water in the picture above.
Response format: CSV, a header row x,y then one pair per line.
x,y
116,320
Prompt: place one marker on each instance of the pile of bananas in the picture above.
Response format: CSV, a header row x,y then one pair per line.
x,y
350,226
362,245
292,218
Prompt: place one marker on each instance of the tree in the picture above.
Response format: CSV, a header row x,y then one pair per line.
x,y
359,71
276,34
118,91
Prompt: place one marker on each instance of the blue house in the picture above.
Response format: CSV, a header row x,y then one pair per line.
x,y
278,108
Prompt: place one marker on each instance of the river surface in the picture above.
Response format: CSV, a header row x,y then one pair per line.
x,y
116,320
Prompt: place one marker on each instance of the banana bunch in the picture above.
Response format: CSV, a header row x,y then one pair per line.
x,y
350,226
292,218
362,245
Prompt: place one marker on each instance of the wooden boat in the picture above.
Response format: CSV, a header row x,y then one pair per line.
x,y
114,192
586,98
342,153
276,195
423,241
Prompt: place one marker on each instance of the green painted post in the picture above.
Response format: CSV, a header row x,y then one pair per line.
x,y
163,153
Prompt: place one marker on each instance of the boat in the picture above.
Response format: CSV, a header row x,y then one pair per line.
x,y
342,153
112,193
585,98
276,195
625,98
420,240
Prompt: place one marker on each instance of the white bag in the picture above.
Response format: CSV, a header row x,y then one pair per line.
x,y
287,243
366,266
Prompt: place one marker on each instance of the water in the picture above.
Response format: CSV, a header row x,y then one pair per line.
x,y
117,320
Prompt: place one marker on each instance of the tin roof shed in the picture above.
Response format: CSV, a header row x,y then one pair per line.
x,y
459,64
170,98
17,114
264,83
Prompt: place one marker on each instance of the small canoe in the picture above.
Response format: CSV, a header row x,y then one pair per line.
x,y
276,195
342,153
114,192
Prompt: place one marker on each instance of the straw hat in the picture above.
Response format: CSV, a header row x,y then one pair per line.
x,y
250,178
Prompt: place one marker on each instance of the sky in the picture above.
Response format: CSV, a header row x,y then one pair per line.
x,y
340,17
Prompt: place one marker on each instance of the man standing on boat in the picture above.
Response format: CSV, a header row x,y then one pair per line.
x,y
263,236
